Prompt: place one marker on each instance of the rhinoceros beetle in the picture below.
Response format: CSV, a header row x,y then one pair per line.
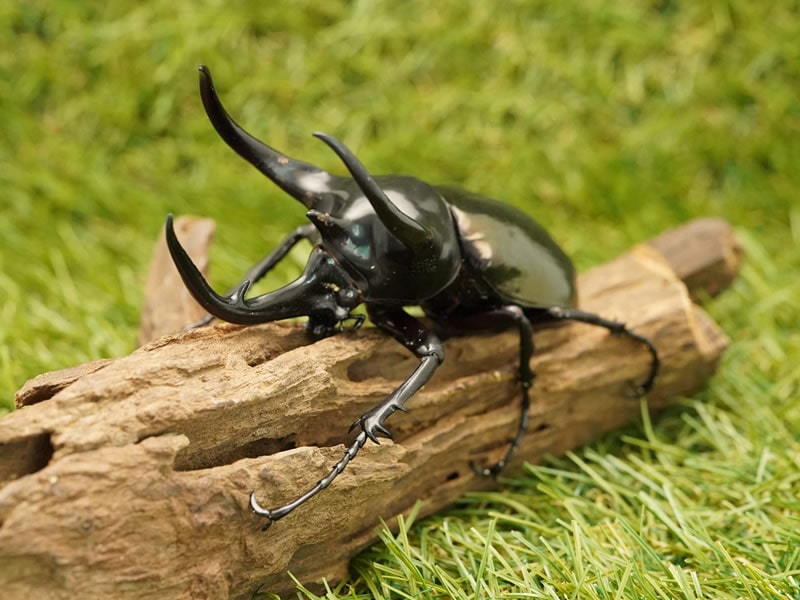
x,y
391,241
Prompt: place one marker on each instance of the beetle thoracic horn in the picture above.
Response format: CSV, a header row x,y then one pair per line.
x,y
291,175
413,235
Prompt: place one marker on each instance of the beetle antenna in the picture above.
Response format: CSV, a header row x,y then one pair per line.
x,y
302,180
413,235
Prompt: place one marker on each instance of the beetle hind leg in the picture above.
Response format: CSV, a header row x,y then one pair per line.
x,y
616,328
500,319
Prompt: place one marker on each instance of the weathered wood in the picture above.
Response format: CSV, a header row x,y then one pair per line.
x,y
704,254
130,479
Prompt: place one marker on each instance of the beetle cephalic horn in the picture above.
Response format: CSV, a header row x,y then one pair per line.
x,y
296,299
300,179
413,235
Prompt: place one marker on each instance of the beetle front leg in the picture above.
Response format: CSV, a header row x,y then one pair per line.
x,y
273,514
418,339
265,265
425,346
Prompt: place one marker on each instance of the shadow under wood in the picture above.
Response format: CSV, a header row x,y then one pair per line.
x,y
186,460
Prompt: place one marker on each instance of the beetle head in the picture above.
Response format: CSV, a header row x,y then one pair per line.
x,y
393,235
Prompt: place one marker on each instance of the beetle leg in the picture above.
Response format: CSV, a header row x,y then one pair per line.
x,y
265,265
501,317
526,375
273,514
616,328
427,347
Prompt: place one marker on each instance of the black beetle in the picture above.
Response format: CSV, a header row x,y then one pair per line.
x,y
392,241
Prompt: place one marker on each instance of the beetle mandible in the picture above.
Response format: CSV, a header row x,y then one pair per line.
x,y
389,242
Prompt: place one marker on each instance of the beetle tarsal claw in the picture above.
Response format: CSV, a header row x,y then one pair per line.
x,y
487,471
382,430
200,323
358,321
261,511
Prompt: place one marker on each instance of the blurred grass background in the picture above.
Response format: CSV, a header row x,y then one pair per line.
x,y
609,121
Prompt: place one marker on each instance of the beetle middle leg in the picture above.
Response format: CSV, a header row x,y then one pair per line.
x,y
503,317
426,347
265,265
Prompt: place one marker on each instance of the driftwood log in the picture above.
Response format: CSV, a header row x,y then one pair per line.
x,y
129,478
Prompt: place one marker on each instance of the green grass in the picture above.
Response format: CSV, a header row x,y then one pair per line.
x,y
607,120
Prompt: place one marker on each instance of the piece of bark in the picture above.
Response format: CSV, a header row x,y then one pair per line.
x,y
137,478
705,255
47,385
168,305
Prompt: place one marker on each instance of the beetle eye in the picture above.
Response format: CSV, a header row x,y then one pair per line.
x,y
347,298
